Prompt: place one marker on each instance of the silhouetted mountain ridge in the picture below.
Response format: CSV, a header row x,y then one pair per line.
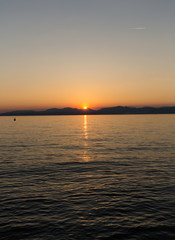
x,y
109,110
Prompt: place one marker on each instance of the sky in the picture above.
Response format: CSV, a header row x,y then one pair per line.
x,y
95,53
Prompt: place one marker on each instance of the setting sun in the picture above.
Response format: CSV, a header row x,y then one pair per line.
x,y
84,108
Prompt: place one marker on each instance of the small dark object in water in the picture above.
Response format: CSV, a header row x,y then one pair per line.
x,y
14,119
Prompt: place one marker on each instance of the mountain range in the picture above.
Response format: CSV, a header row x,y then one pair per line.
x,y
108,110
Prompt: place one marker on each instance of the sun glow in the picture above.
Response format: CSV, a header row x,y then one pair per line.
x,y
85,108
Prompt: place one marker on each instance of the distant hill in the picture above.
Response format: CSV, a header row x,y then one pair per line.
x,y
109,110
52,111
134,110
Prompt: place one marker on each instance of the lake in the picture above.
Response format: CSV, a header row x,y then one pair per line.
x,y
87,177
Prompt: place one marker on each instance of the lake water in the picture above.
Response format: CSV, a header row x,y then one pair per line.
x,y
87,177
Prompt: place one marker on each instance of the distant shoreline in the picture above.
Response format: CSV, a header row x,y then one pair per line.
x,y
118,110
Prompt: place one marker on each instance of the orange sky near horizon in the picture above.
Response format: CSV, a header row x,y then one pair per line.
x,y
57,54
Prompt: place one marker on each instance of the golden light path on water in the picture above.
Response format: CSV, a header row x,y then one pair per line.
x,y
85,128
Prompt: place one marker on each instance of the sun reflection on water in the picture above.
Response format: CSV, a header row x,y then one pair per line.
x,y
85,128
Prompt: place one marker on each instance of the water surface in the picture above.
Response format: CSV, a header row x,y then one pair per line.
x,y
87,177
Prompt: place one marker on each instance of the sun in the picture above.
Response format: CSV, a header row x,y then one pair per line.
x,y
84,107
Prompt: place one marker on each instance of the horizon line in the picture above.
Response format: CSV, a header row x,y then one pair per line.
x,y
85,110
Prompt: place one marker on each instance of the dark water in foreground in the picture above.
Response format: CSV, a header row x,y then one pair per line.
x,y
87,177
